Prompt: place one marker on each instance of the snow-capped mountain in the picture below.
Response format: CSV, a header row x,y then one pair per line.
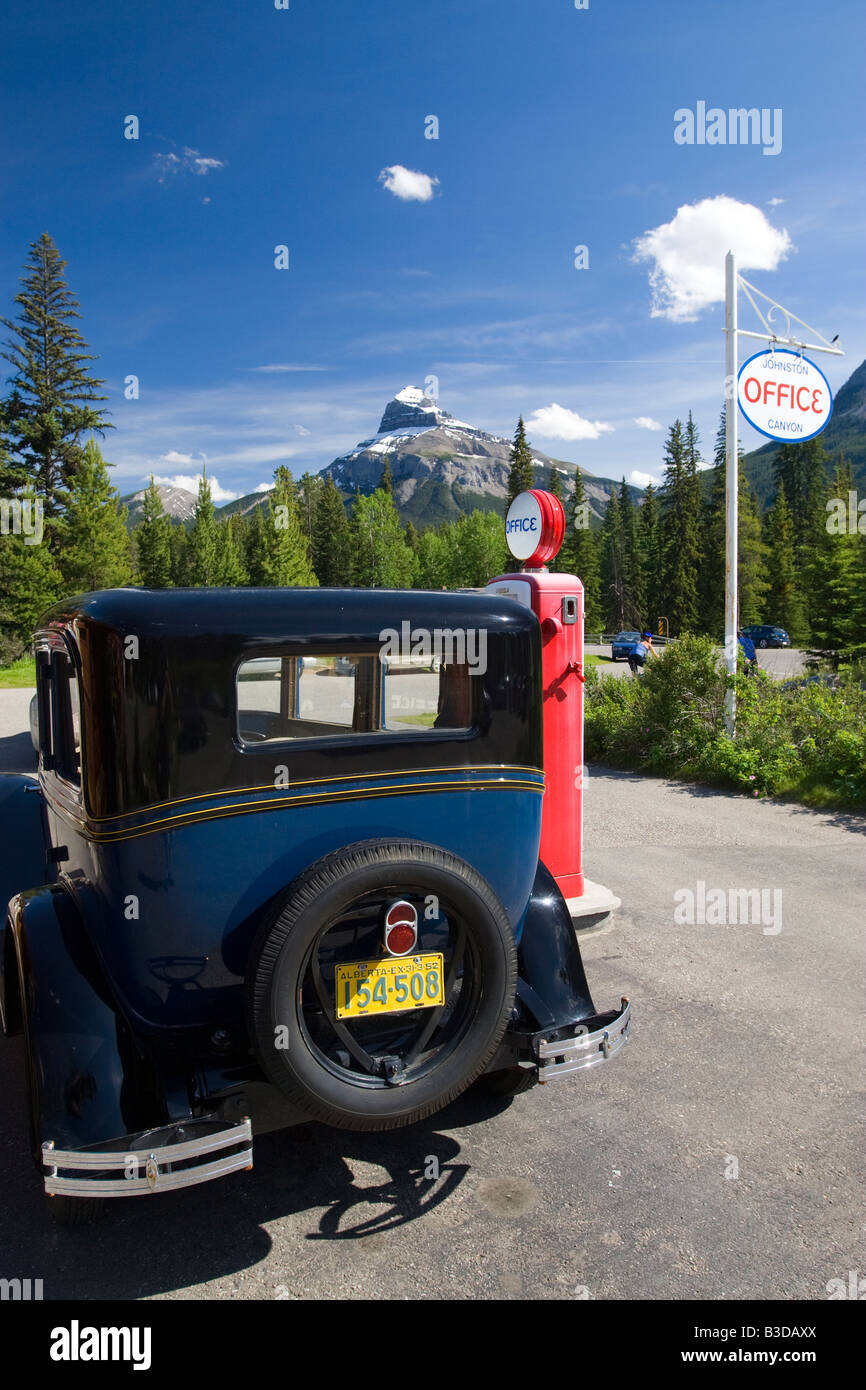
x,y
443,466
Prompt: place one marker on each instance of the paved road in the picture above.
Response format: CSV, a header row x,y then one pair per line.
x,y
746,1057
781,662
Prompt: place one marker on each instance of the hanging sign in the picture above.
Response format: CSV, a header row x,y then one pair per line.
x,y
784,395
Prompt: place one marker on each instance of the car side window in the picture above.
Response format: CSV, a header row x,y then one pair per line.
x,y
338,694
65,715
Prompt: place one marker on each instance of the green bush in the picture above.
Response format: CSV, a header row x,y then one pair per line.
x,y
807,742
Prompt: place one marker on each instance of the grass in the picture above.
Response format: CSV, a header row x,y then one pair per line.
x,y
19,675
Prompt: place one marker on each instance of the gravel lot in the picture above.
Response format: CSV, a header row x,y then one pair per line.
x,y
747,1058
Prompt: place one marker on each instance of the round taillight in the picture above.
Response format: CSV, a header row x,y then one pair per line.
x,y
401,928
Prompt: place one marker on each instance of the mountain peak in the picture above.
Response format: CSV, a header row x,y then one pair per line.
x,y
412,409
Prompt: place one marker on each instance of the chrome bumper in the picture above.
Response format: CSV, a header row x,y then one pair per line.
x,y
154,1167
558,1057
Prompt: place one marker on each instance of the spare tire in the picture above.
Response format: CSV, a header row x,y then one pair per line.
x,y
389,1067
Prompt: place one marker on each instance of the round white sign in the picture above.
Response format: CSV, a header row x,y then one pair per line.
x,y
523,526
784,395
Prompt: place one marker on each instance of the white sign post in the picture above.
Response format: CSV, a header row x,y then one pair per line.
x,y
771,390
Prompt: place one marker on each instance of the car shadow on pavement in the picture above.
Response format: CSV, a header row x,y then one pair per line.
x,y
329,1180
17,754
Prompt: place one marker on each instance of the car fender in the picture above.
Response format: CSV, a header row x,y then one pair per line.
x,y
552,981
23,865
85,1073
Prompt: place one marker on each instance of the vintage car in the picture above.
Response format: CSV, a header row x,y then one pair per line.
x,y
239,901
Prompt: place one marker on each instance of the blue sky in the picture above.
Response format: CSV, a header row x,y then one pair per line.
x,y
261,127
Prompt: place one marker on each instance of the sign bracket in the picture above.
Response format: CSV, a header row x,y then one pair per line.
x,y
790,340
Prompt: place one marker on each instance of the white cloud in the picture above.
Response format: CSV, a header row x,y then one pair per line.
x,y
174,457
775,202
189,482
167,163
287,367
687,254
409,184
263,487
555,422
638,479
647,423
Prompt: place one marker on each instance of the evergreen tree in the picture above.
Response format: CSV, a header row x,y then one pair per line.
x,y
94,550
579,554
831,570
381,558
554,482
634,593
751,548
231,569
651,552
751,553
387,483
410,535
784,602
310,490
152,538
256,543
181,558
54,400
681,529
332,540
613,566
29,581
203,537
520,477
286,557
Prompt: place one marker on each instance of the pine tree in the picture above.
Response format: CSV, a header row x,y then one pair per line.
x,y
634,594
613,565
231,569
286,557
181,557
651,555
554,482
784,602
310,490
152,537
203,537
381,558
387,483
29,580
94,550
580,554
751,547
332,540
256,543
54,400
831,570
521,476
751,553
681,529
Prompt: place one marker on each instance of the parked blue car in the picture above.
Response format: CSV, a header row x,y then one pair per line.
x,y
245,891
764,635
623,645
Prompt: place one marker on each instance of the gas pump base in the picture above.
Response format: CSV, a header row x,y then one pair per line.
x,y
595,901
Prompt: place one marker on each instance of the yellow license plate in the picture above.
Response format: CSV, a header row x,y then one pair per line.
x,y
388,986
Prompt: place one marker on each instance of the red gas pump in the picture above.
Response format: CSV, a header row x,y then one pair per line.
x,y
534,530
